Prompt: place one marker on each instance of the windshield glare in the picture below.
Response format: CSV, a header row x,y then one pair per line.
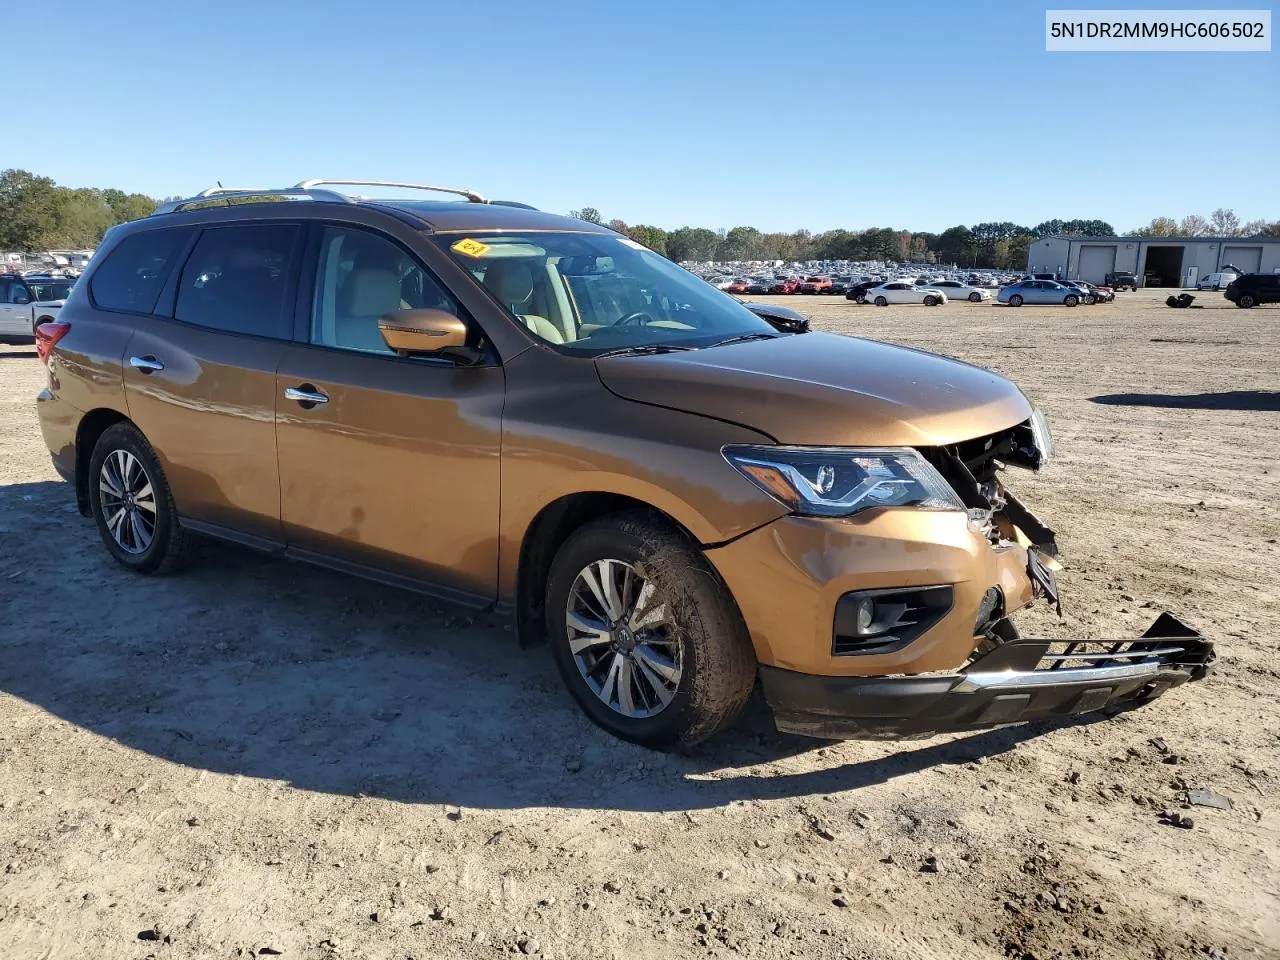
x,y
588,293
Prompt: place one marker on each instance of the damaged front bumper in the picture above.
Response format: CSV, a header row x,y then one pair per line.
x,y
1019,680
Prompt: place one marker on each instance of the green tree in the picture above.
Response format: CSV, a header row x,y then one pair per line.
x,y
956,245
28,211
692,243
1158,227
589,214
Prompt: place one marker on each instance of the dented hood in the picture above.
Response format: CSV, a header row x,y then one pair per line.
x,y
826,389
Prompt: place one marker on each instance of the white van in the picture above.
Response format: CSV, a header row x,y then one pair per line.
x,y
1216,281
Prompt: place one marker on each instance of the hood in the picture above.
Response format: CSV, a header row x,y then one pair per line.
x,y
826,389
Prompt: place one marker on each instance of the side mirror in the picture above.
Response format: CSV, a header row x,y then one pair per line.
x,y
21,298
426,332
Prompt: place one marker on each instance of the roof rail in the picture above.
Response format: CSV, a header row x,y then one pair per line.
x,y
227,194
469,194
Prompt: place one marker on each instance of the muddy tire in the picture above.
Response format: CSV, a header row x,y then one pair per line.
x,y
132,505
644,633
881,302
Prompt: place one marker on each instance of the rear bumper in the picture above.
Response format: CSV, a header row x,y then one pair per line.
x,y
1020,680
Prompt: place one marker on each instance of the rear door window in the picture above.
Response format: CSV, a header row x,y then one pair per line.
x,y
135,271
237,278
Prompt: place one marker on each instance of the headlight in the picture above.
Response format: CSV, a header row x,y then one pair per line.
x,y
1040,433
841,481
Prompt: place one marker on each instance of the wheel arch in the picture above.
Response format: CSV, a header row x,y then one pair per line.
x,y
92,425
548,531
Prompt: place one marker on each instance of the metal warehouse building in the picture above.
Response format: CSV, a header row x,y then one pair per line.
x,y
1156,261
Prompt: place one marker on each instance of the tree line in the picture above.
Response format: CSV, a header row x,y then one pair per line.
x,y
998,245
37,214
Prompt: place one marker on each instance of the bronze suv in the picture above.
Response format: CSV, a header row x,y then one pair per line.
x,y
534,414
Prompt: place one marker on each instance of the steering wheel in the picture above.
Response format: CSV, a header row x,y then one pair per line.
x,y
638,317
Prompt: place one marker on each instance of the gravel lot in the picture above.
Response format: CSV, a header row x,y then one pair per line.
x,y
257,757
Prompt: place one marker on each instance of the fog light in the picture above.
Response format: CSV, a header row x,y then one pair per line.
x,y
864,616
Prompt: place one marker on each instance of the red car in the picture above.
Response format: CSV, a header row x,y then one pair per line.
x,y
816,285
738,286
785,285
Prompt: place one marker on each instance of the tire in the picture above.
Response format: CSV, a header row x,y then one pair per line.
x,y
1246,301
930,301
881,302
975,297
705,641
1091,298
1070,300
860,299
1015,301
164,546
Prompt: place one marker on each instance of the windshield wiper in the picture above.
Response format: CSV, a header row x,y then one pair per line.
x,y
642,349
744,337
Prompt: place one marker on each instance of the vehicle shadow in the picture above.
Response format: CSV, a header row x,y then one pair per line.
x,y
260,667
1263,400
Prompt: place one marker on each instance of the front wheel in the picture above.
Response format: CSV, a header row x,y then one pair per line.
x,y
975,297
881,302
1071,300
645,635
1091,299
1015,301
132,504
1245,301
930,301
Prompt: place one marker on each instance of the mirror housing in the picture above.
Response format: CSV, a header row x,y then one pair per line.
x,y
425,332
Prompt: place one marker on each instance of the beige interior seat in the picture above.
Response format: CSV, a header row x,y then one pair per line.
x,y
369,293
511,281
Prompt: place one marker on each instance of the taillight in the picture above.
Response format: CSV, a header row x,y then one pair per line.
x,y
47,336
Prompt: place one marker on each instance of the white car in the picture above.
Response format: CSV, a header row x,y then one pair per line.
x,y
1216,281
904,291
955,290
26,302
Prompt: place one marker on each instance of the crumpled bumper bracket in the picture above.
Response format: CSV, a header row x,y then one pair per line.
x,y
1025,679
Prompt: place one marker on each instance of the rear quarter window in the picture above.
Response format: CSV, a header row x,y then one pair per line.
x,y
136,269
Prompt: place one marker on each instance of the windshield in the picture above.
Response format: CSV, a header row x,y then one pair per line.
x,y
590,292
50,290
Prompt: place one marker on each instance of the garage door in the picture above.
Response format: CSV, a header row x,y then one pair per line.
x,y
1096,262
1247,259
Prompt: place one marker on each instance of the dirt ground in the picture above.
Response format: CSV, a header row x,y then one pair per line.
x,y
260,758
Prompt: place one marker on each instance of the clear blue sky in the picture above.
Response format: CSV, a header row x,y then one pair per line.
x,y
780,116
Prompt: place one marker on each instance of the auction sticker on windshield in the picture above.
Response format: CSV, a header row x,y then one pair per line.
x,y
470,248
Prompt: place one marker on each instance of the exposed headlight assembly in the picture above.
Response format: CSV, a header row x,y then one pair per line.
x,y
1040,433
841,481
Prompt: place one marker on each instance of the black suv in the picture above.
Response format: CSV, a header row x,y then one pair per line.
x,y
1120,280
1254,288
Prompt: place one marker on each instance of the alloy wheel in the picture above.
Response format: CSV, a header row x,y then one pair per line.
x,y
623,639
128,501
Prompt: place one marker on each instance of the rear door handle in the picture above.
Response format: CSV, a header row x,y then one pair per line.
x,y
147,364
305,394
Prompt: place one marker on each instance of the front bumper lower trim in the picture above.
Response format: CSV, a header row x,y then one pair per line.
x,y
1020,680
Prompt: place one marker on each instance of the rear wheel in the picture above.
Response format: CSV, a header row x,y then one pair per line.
x,y
1015,301
645,635
881,302
1070,300
132,504
975,297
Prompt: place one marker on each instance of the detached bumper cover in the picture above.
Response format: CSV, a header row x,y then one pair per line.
x,y
1020,680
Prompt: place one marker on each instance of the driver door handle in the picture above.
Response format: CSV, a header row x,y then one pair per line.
x,y
305,394
147,364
